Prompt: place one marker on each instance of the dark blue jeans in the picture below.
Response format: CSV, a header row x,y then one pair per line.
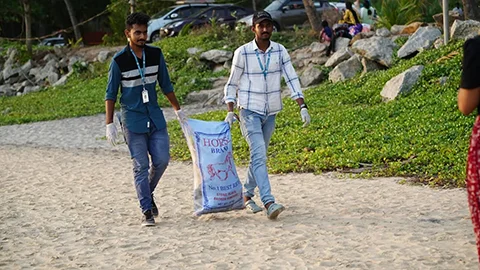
x,y
156,144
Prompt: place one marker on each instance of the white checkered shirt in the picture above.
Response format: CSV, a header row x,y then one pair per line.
x,y
256,92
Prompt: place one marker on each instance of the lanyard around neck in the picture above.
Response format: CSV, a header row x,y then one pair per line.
x,y
264,69
142,71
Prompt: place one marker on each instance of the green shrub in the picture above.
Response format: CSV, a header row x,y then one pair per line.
x,y
400,12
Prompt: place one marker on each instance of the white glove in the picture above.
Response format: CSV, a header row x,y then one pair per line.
x,y
229,118
305,117
111,134
181,117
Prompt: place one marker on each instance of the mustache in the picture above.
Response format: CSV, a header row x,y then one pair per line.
x,y
265,33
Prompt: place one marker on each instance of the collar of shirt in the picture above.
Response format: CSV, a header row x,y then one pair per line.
x,y
255,46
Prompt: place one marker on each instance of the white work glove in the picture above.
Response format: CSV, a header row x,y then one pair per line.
x,y
111,134
181,117
305,117
229,118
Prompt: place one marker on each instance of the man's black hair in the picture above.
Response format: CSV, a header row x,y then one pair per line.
x,y
136,18
324,23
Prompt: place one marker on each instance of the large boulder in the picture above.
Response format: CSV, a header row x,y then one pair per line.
x,y
216,56
378,49
401,83
338,57
341,43
346,70
464,29
422,39
311,76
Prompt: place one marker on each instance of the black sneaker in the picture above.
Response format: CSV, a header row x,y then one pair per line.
x,y
154,208
148,219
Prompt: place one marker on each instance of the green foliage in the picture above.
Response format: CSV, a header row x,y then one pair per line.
x,y
22,55
400,12
185,30
119,10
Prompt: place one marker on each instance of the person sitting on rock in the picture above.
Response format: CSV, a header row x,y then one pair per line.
x,y
326,36
350,17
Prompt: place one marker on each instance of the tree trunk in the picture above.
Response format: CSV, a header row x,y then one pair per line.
x,y
73,19
471,10
28,25
132,5
312,15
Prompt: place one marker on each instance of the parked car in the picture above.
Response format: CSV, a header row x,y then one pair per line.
x,y
339,4
287,13
169,15
222,14
54,41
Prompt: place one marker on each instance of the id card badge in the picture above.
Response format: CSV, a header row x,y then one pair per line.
x,y
145,96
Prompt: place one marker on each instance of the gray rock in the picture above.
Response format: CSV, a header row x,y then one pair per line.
x,y
310,76
6,90
11,57
53,77
464,29
378,49
383,32
346,70
438,43
216,56
25,69
369,65
317,47
103,56
338,57
341,43
194,50
401,83
422,39
397,29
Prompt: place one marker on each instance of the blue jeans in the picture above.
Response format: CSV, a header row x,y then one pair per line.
x,y
257,129
146,177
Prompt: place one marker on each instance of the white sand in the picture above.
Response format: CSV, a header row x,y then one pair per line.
x,y
74,206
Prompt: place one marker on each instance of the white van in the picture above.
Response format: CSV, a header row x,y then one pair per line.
x,y
170,14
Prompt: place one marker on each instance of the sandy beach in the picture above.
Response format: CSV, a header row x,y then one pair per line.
x,y
68,202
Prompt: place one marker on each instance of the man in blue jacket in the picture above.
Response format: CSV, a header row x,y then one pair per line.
x,y
136,70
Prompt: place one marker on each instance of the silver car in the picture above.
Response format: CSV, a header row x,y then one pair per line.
x,y
287,13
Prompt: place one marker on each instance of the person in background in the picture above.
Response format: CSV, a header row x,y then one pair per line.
x,y
350,17
458,9
326,36
254,86
136,70
468,101
356,6
367,14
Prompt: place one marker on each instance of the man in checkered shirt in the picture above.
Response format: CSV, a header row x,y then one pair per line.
x,y
254,86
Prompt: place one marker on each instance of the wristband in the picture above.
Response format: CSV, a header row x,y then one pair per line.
x,y
304,105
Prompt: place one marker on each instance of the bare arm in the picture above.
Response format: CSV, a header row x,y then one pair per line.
x,y
469,93
173,100
300,102
109,108
468,100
